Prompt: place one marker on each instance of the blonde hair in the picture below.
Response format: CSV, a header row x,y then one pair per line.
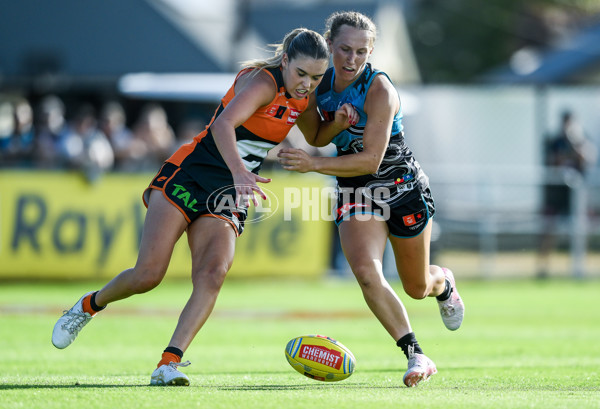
x,y
350,18
296,43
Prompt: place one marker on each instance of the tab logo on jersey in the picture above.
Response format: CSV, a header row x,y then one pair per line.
x,y
412,219
321,355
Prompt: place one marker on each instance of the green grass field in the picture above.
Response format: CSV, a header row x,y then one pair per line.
x,y
523,344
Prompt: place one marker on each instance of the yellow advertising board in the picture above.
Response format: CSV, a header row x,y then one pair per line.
x,y
57,225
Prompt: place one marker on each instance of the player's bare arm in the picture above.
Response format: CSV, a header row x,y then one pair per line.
x,y
252,92
375,140
320,133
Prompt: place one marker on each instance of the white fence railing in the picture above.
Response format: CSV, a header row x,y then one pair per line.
x,y
486,204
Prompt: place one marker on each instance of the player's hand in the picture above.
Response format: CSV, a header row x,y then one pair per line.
x,y
246,187
296,160
346,116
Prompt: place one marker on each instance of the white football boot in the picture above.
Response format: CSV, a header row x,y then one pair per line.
x,y
420,368
168,375
68,326
452,309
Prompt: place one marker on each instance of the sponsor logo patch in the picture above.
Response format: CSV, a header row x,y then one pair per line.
x,y
321,355
349,206
412,219
276,111
292,116
182,194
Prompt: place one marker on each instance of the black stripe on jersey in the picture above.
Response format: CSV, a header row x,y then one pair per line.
x,y
244,134
253,158
363,80
356,130
325,84
278,75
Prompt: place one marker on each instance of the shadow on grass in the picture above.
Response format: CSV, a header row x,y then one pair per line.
x,y
325,386
74,386
314,387
264,387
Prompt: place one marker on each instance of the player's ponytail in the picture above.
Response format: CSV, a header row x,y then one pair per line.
x,y
298,42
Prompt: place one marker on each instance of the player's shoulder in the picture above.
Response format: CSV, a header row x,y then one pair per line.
x,y
381,86
257,82
381,80
382,93
255,77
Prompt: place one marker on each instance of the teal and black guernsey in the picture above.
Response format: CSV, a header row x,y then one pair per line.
x,y
399,171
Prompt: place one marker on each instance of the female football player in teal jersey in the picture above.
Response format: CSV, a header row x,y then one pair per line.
x,y
382,191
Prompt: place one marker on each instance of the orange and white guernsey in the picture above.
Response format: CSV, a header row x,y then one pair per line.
x,y
267,127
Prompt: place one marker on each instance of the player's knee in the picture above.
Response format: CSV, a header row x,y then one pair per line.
x,y
211,277
147,281
418,291
366,276
146,277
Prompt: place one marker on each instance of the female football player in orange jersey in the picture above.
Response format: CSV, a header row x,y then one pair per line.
x,y
267,98
382,191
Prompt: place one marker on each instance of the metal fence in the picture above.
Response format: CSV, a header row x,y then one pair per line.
x,y
498,214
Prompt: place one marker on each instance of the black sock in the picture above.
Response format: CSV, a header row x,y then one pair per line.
x,y
93,304
175,351
446,293
409,341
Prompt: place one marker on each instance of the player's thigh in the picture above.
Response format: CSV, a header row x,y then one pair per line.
x,y
163,226
363,243
412,257
212,244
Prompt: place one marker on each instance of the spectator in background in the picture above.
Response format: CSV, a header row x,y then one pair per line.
x,y
188,129
6,131
23,137
568,151
154,131
50,131
85,146
127,149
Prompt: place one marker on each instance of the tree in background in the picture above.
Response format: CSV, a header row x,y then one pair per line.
x,y
455,41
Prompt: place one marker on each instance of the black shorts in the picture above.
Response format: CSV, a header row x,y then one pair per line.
x,y
557,200
407,219
193,200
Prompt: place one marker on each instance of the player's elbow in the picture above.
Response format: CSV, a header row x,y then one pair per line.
x,y
372,169
317,139
310,139
371,165
220,126
316,143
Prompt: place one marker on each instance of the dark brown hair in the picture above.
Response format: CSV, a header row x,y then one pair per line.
x,y
300,42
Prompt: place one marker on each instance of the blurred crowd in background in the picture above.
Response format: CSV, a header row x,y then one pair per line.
x,y
46,136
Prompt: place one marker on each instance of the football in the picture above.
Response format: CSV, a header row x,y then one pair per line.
x,y
320,358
